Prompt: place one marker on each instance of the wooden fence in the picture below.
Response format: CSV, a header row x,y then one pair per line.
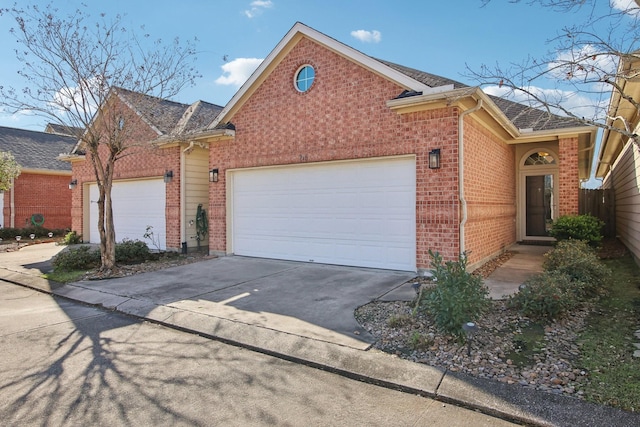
x,y
600,203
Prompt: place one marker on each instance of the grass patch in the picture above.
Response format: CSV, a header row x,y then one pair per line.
x,y
607,342
65,276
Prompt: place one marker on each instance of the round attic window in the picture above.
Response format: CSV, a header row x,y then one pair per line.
x,y
304,78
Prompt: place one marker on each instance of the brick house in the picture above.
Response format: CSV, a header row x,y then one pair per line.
x,y
149,188
328,155
40,195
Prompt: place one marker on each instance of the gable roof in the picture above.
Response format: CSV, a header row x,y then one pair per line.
x,y
414,82
169,117
522,116
36,150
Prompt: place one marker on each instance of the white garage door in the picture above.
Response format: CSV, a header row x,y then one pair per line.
x,y
136,204
359,213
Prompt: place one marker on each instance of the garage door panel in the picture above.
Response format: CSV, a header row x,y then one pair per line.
x,y
358,213
136,205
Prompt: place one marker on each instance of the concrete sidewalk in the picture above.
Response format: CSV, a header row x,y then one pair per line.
x,y
510,402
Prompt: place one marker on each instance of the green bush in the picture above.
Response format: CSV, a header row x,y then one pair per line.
x,y
579,261
132,252
548,296
81,258
457,297
578,227
71,238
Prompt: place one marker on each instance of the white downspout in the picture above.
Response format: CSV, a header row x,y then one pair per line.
x,y
12,205
463,200
183,197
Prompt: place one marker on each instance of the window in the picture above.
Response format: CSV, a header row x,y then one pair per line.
x,y
304,78
540,158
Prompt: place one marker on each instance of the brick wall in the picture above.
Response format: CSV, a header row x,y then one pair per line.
x,y
343,116
569,185
48,195
490,191
141,160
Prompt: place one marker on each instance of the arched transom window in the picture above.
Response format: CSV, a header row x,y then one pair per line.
x,y
540,158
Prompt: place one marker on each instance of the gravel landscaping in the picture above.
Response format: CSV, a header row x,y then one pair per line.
x,y
507,347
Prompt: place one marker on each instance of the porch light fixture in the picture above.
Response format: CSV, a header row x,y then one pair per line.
x,y
213,175
168,177
73,184
434,159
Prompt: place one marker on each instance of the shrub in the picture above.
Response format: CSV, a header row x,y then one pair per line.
x,y
457,297
548,296
132,252
81,258
580,262
71,238
578,227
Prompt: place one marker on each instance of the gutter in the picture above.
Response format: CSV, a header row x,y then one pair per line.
x,y
463,200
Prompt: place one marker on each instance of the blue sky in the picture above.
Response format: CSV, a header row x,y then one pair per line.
x,y
440,37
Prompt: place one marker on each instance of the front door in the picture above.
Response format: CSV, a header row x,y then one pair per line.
x,y
538,194
539,197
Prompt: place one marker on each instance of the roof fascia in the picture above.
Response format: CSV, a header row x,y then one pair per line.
x,y
297,32
461,97
207,136
458,97
612,142
37,171
71,158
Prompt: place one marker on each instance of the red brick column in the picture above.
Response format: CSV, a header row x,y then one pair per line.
x,y
569,185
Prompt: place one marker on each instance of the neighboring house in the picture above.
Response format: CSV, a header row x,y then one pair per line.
x,y
619,161
328,155
141,197
40,195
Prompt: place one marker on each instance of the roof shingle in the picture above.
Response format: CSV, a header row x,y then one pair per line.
x,y
36,150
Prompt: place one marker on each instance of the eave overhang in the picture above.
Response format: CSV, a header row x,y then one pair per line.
x,y
204,137
613,142
71,158
497,122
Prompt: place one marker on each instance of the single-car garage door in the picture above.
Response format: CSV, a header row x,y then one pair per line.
x,y
359,213
136,205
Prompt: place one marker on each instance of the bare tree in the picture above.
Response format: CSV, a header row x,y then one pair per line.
x,y
588,61
71,66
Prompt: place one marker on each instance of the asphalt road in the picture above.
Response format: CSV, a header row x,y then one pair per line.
x,y
64,363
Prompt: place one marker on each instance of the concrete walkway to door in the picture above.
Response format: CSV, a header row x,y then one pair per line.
x,y
526,261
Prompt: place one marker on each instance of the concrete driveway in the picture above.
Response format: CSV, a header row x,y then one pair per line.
x,y
310,300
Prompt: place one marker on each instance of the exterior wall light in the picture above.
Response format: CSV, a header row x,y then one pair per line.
x,y
213,175
168,177
434,159
73,184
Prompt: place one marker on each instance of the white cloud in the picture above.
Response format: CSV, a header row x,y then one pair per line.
x,y
626,6
367,36
585,63
237,72
257,7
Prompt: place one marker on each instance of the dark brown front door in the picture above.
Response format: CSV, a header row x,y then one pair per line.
x,y
539,189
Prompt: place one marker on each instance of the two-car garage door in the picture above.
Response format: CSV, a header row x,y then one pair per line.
x,y
136,205
359,213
